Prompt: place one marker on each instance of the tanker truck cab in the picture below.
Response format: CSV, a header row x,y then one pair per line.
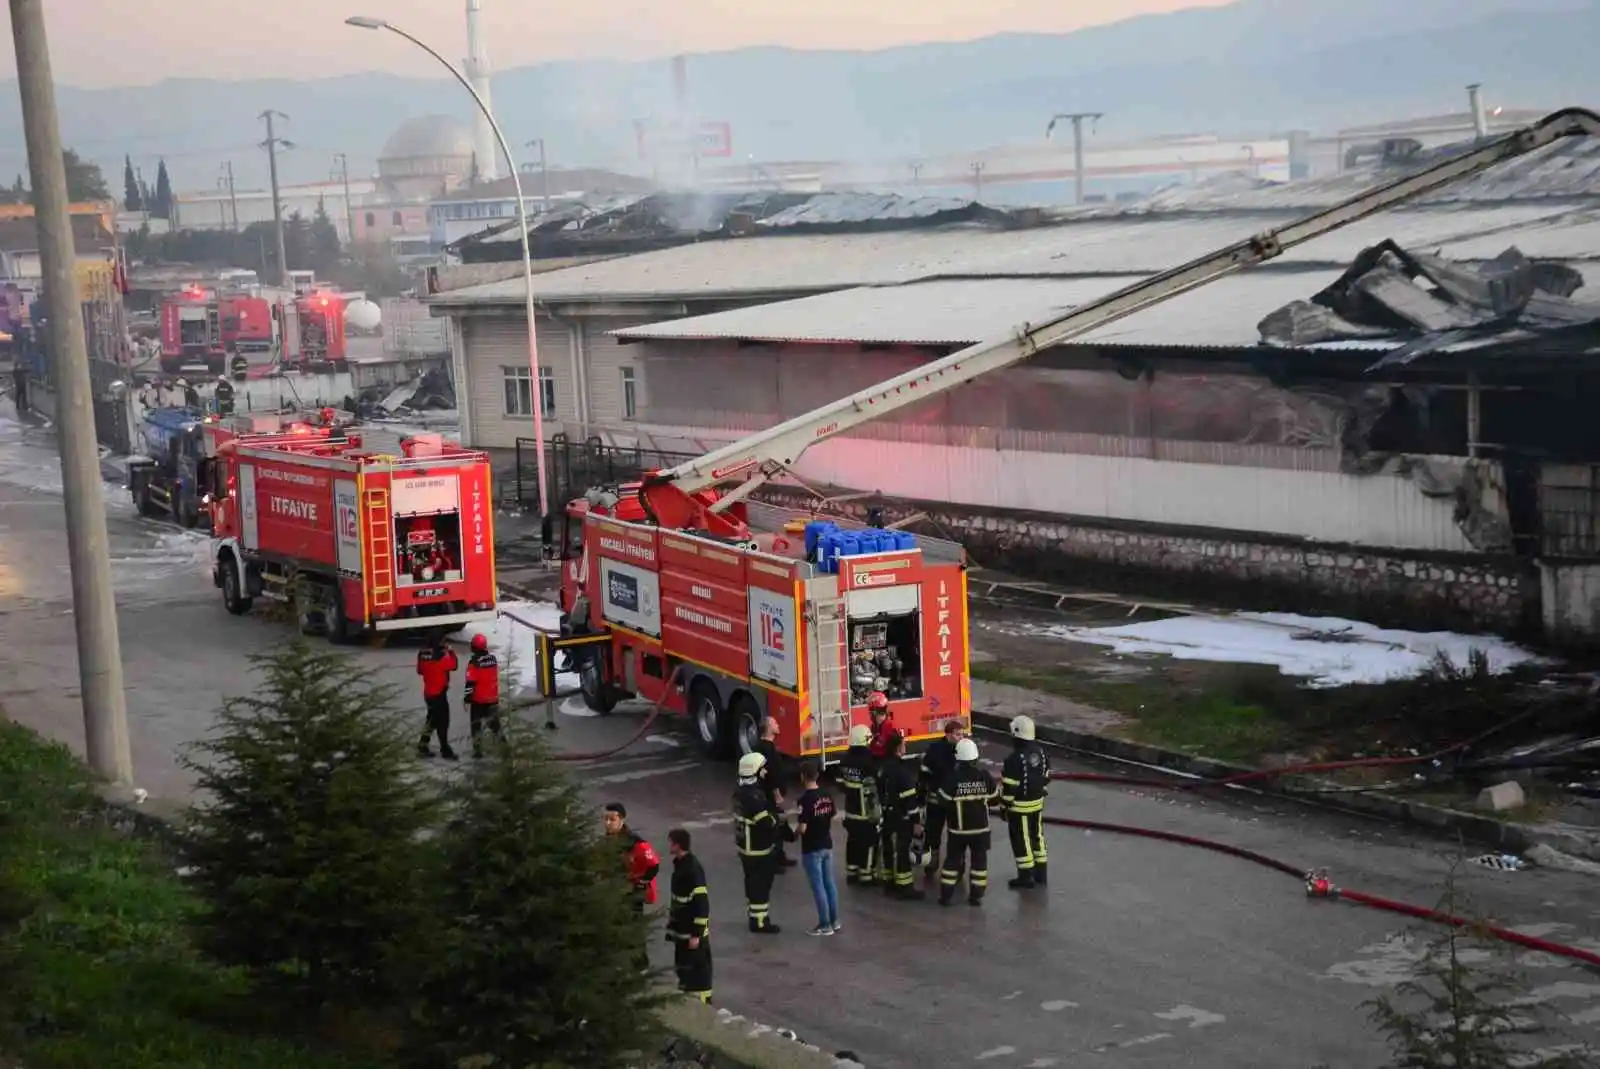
x,y
170,477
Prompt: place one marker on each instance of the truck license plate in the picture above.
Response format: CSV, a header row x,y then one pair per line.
x,y
431,592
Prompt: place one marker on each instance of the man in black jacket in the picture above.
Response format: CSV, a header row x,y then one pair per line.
x,y
767,747
902,818
689,918
938,765
1024,783
756,834
857,776
966,797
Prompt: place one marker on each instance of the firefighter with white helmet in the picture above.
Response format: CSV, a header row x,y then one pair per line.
x,y
756,833
966,797
1024,783
857,776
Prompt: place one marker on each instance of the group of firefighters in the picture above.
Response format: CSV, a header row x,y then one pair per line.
x,y
436,663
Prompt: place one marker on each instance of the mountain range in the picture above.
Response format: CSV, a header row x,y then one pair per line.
x,y
1252,67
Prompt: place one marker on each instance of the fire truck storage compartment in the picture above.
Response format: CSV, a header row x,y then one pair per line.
x,y
427,529
194,326
885,639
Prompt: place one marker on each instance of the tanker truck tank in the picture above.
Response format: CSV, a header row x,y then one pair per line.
x,y
167,479
363,316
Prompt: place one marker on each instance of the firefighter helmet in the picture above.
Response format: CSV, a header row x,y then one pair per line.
x,y
1022,728
750,765
966,750
878,702
860,735
480,643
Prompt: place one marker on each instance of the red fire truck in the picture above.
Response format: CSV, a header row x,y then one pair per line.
x,y
312,328
711,612
190,331
355,540
246,324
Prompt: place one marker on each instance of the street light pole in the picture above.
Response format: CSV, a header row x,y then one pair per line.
x,y
537,392
544,177
94,608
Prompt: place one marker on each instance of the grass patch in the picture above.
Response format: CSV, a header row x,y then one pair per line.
x,y
97,966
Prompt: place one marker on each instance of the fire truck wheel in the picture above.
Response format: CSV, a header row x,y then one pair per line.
x,y
710,720
141,497
233,596
592,682
746,717
339,630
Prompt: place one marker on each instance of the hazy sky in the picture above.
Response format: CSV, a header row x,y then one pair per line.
x,y
115,42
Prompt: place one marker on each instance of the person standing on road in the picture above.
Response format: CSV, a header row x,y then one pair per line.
x,y
1024,783
755,833
19,385
640,861
938,765
223,395
816,848
858,778
966,797
902,819
767,747
483,693
689,918
435,665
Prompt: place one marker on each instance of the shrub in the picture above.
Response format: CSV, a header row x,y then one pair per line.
x,y
307,846
537,962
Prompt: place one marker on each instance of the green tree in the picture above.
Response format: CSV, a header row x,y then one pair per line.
x,y
17,194
85,180
162,209
307,851
536,962
131,194
1456,1012
324,237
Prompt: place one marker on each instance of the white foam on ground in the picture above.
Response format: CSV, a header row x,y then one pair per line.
x,y
1326,650
512,639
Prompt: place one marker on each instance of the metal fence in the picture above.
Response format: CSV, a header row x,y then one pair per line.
x,y
573,467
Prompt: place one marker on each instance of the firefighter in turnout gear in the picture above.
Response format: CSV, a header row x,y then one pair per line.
x,y
483,693
756,834
966,797
435,665
857,776
689,918
938,765
1024,782
902,819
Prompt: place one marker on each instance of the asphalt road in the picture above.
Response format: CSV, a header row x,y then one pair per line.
x,y
1140,954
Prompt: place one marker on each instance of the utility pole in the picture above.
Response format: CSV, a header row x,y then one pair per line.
x,y
94,607
349,208
977,180
544,177
271,145
1077,118
233,196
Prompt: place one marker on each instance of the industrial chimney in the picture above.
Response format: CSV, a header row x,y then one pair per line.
x,y
1480,117
477,70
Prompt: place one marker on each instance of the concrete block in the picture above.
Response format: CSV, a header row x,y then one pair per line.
x,y
1502,797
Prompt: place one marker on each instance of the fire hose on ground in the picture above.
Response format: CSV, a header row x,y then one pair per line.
x,y
1317,882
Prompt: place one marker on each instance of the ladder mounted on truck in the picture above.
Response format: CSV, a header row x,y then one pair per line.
x,y
757,459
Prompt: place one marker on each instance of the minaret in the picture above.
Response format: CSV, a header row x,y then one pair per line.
x,y
477,71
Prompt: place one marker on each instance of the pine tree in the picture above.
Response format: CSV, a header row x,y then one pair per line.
x,y
131,199
307,854
537,961
324,240
1454,1013
163,204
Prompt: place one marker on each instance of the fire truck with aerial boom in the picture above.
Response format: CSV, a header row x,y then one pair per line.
x,y
733,612
355,540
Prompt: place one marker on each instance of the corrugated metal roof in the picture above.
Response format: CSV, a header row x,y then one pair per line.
x,y
1223,314
800,264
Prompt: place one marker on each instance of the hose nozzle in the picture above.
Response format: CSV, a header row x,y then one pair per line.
x,y
1320,885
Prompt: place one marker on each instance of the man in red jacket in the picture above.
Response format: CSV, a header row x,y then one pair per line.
x,y
882,723
435,665
483,693
640,861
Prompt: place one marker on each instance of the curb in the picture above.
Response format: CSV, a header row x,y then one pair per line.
x,y
1502,836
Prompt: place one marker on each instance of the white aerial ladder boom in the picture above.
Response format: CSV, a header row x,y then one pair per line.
x,y
759,457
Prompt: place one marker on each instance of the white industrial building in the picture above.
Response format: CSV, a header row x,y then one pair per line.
x,y
221,210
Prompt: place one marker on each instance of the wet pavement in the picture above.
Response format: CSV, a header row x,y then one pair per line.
x,y
1140,954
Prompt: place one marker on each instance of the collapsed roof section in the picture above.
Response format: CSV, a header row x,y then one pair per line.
x,y
1429,304
626,224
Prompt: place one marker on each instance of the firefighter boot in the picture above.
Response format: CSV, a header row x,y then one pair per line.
x,y
1040,873
1023,881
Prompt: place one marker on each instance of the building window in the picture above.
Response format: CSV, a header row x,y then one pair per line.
x,y
630,394
396,219
547,392
372,220
519,395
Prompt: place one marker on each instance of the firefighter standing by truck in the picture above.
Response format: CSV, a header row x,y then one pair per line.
x,y
882,723
966,797
435,665
938,765
1024,782
483,693
689,918
756,833
902,820
857,776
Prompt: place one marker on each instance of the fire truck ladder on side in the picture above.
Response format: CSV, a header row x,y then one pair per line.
x,y
831,675
759,458
380,547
